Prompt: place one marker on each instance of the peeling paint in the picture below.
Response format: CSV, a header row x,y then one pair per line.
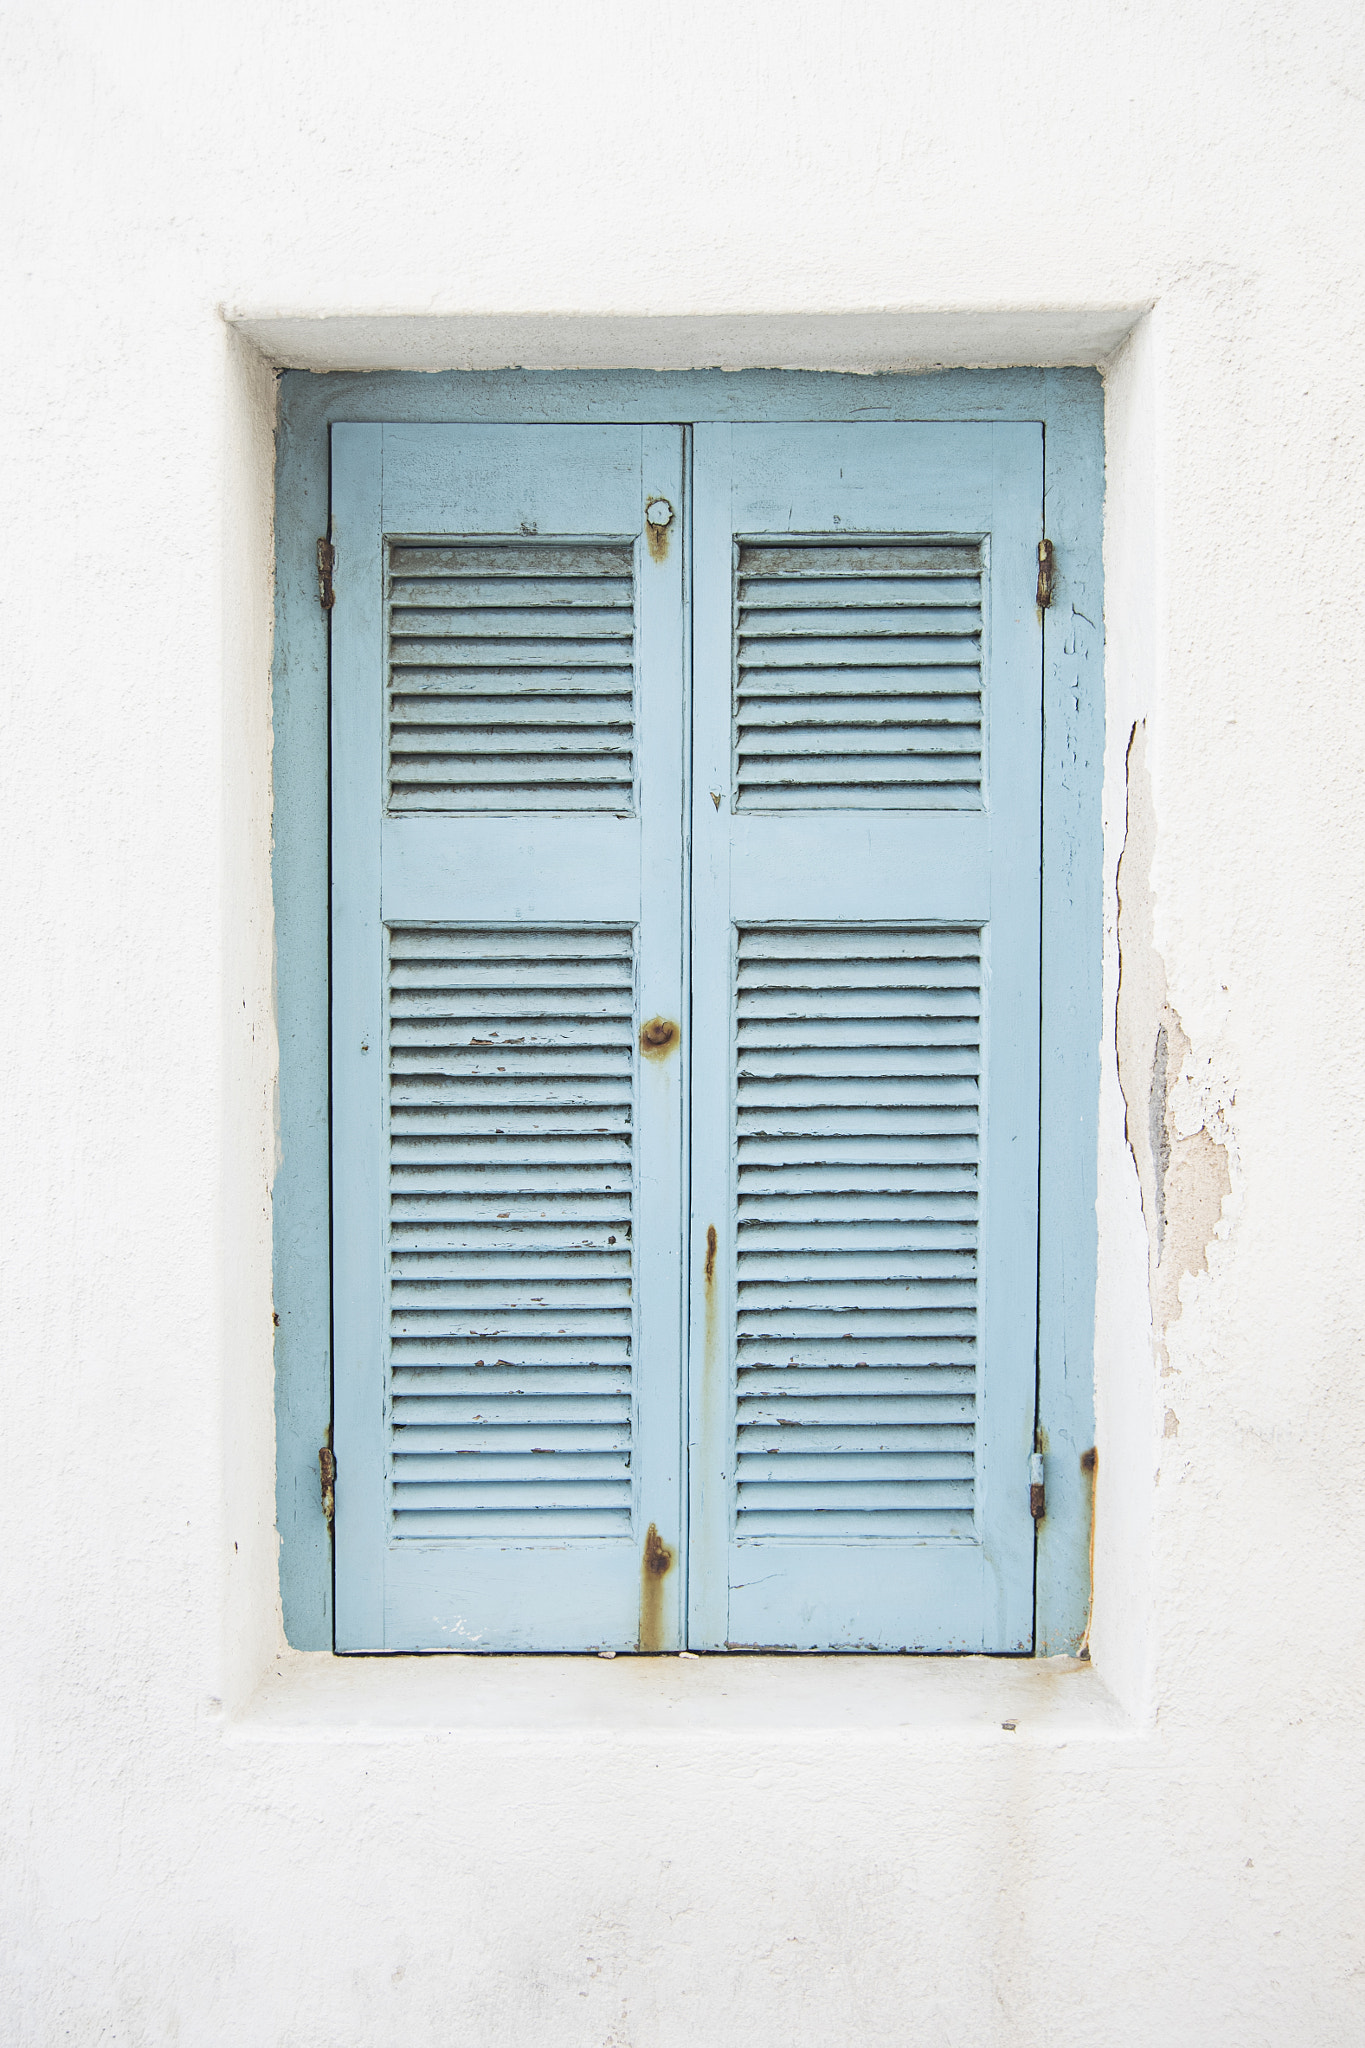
x,y
1176,1113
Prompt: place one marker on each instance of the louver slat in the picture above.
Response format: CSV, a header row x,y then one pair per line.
x,y
511,1062
511,676
859,675
858,1112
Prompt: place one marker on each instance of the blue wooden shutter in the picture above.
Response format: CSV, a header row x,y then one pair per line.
x,y
866,902
507,660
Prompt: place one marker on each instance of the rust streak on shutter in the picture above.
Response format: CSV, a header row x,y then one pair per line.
x,y
655,1564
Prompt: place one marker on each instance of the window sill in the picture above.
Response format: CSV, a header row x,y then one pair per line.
x,y
311,1698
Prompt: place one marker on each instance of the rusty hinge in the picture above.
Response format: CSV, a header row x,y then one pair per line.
x,y
327,557
327,1472
1047,574
1037,1490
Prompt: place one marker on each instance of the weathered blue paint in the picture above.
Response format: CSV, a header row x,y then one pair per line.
x,y
895,1158
1069,404
459,1396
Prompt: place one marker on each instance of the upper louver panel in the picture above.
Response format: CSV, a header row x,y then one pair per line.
x,y
859,675
511,675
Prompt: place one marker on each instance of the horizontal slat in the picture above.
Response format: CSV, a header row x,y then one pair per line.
x,y
486,1238
552,968
944,1524
462,1293
796,636
952,1205
843,558
858,675
534,947
415,684
764,1439
953,683
918,748
856,1494
518,1525
835,796
818,654
956,719
943,1347
490,1468
545,1381
422,1440
512,557
516,626
450,1214
432,743
857,1291
454,762
506,1348
516,591
511,676
517,1497
782,1469
509,1270
413,715
802,1097
863,587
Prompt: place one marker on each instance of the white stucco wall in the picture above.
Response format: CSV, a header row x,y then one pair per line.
x,y
212,1841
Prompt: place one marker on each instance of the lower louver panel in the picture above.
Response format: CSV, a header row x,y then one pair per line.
x,y
858,1144
511,1065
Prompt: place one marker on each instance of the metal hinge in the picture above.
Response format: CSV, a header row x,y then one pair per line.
x,y
1037,1491
327,557
327,1472
1047,574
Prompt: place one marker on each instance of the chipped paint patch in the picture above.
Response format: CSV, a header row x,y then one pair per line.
x,y
1177,1109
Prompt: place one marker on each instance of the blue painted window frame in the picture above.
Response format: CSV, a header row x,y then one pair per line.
x,y
1070,406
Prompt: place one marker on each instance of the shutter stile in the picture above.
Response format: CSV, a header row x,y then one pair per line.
x,y
858,682
858,1140
511,676
511,1083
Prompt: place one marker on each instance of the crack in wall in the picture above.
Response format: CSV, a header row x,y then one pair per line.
x,y
1175,1111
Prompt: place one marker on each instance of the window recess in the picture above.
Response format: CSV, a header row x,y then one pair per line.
x,y
702,1171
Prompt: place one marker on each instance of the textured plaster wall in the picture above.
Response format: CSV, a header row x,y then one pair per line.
x,y
198,1852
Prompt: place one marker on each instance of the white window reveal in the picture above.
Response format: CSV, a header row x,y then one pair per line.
x,y
686,856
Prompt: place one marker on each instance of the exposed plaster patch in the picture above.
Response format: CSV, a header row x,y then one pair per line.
x,y
1177,1107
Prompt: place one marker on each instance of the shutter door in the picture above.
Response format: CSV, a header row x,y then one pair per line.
x,y
507,686
866,904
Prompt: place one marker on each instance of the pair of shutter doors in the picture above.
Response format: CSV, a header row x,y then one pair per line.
x,y
686,883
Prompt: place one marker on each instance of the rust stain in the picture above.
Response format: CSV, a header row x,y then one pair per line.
x,y
658,1038
655,1564
658,526
1047,574
1090,1467
327,1474
711,1405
